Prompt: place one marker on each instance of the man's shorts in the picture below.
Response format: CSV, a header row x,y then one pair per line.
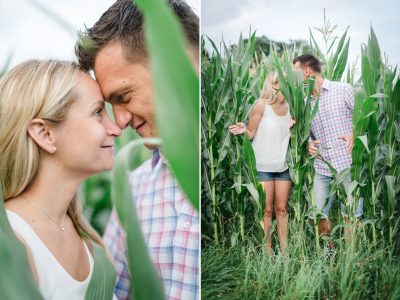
x,y
271,176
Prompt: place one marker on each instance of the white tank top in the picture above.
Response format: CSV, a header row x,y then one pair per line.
x,y
270,143
54,281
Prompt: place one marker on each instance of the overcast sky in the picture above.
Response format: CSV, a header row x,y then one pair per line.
x,y
290,19
28,32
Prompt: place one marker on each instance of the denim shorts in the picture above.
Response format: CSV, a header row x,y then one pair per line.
x,y
271,176
323,204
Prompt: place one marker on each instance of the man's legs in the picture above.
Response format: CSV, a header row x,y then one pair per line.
x,y
323,205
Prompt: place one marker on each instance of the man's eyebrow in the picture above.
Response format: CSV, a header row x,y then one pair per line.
x,y
117,94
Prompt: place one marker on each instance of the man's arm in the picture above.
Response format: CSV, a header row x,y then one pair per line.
x,y
114,240
349,98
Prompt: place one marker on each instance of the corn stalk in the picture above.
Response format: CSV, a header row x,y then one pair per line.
x,y
230,191
299,96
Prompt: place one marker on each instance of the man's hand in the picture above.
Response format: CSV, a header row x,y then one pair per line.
x,y
312,147
349,139
291,122
239,128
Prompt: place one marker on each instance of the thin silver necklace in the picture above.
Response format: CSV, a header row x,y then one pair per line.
x,y
61,226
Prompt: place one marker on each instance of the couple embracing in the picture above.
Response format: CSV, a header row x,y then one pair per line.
x,y
269,129
55,133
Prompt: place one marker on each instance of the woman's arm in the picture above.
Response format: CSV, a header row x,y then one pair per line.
x,y
256,115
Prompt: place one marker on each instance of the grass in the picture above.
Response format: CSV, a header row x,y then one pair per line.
x,y
359,270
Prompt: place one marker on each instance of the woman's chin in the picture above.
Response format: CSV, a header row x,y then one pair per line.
x,y
109,165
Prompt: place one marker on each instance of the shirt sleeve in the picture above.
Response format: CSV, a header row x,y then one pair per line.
x,y
114,240
349,97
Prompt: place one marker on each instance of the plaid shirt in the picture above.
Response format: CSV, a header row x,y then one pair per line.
x,y
333,119
170,227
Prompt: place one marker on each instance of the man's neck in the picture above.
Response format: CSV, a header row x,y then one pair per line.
x,y
319,81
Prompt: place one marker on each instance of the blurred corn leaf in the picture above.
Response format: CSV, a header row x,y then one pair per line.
x,y
145,281
6,64
176,86
16,280
102,283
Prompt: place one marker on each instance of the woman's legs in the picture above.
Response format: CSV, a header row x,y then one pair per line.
x,y
282,192
269,196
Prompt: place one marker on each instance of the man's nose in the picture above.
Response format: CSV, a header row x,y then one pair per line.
x,y
122,117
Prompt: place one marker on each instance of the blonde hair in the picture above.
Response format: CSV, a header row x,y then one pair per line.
x,y
35,89
268,94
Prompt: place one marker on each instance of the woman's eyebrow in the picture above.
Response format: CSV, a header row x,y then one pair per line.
x,y
98,102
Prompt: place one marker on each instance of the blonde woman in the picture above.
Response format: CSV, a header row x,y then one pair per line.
x,y
54,133
269,129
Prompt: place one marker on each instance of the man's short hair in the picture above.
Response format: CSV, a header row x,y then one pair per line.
x,y
308,60
123,22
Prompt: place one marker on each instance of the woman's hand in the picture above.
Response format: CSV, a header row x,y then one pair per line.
x,y
239,128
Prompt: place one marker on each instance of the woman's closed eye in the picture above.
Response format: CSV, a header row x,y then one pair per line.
x,y
99,111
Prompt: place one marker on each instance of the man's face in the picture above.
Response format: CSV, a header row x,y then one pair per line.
x,y
128,87
305,70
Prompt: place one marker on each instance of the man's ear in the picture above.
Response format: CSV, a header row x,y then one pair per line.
x,y
308,71
42,134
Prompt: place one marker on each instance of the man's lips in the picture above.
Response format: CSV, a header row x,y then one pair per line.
x,y
138,125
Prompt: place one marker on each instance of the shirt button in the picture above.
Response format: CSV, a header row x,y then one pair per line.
x,y
179,276
187,225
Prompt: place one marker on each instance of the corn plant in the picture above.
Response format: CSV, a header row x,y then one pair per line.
x,y
336,53
145,281
299,97
176,97
230,190
376,151
16,280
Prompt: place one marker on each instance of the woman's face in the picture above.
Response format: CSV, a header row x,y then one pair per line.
x,y
85,139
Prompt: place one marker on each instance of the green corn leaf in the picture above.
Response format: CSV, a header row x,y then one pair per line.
x,y
341,63
317,49
250,158
334,60
364,141
176,86
390,202
102,283
145,281
16,280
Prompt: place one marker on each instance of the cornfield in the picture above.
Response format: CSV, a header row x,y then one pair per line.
x,y
233,258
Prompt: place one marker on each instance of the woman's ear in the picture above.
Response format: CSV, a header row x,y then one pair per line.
x,y
276,86
42,134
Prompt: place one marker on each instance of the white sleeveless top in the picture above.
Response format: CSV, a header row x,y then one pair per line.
x,y
54,281
270,143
